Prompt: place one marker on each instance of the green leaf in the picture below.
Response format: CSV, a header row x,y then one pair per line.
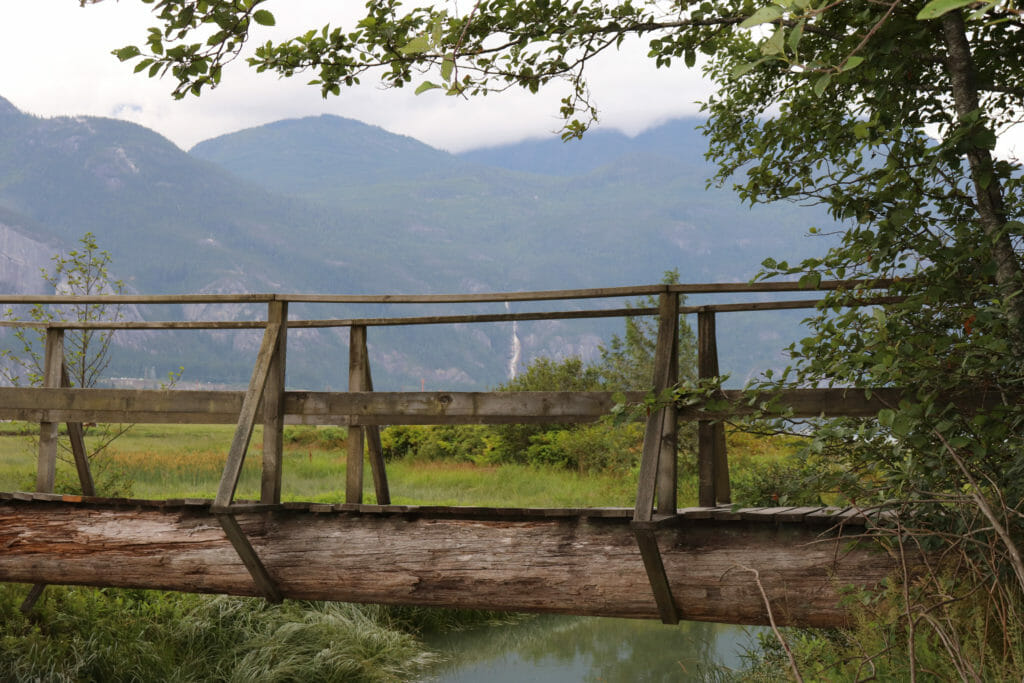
x,y
852,63
126,53
425,86
447,66
936,8
762,16
886,417
436,30
690,58
810,280
795,35
263,17
742,69
902,424
821,84
862,130
416,45
774,45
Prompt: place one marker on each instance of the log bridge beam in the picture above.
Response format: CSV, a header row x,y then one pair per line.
x,y
568,561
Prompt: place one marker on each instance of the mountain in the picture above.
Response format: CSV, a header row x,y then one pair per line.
x,y
310,156
324,204
677,139
606,210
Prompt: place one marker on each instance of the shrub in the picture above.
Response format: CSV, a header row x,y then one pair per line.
x,y
327,438
793,480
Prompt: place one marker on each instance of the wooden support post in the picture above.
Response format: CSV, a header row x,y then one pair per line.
x,y
373,445
713,461
246,420
273,408
658,462
360,379
53,360
46,468
76,434
667,460
354,467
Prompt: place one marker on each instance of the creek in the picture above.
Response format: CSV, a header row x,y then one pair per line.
x,y
558,649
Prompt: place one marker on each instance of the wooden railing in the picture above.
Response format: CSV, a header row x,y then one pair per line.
x,y
363,410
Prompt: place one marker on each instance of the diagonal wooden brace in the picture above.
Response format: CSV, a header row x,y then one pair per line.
x,y
246,420
260,576
647,540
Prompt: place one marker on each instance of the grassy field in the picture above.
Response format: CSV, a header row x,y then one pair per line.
x,y
185,461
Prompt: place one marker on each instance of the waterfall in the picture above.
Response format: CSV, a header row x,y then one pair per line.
x,y
517,347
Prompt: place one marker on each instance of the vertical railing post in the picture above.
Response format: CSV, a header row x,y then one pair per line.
x,y
46,468
76,435
360,379
713,463
658,462
357,353
374,448
667,460
273,408
53,361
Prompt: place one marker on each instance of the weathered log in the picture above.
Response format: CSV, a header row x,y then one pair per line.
x,y
574,562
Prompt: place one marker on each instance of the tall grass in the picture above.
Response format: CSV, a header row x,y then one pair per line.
x,y
80,634
186,461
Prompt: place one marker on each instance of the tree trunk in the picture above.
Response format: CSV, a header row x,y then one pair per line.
x,y
583,562
988,190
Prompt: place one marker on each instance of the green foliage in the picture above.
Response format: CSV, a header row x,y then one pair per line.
x,y
949,636
80,272
793,481
453,443
78,634
627,363
600,447
334,438
514,441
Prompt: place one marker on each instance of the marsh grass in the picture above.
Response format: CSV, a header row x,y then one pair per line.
x,y
185,461
84,634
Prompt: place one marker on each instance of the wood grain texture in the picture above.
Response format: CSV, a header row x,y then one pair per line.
x,y
273,408
383,407
586,562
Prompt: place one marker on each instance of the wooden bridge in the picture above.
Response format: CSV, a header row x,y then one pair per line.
x,y
655,560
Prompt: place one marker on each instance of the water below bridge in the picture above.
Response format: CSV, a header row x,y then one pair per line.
x,y
560,649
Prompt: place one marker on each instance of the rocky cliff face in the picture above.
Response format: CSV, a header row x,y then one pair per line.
x,y
21,260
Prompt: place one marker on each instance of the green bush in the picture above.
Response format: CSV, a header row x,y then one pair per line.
x,y
328,438
792,480
600,447
454,443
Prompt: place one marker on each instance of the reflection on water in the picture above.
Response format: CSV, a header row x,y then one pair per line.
x,y
565,649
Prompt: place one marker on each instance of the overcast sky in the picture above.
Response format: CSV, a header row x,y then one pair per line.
x,y
57,61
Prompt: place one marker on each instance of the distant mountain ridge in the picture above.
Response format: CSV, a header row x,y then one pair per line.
x,y
677,139
325,204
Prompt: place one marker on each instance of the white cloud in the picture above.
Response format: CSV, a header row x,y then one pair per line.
x,y
59,63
